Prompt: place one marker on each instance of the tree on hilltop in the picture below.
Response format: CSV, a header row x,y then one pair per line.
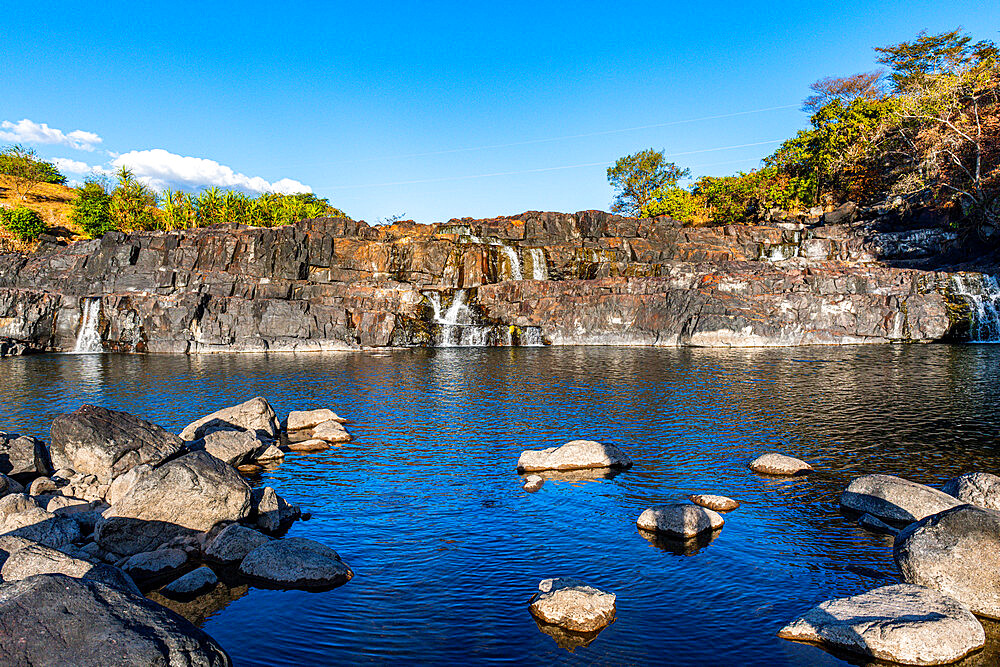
x,y
638,176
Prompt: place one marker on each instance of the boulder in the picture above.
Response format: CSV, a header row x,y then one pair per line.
x,y
533,483
41,485
21,517
876,525
331,432
235,447
296,562
9,485
976,488
124,483
574,455
956,552
680,520
194,582
895,499
777,464
154,564
573,605
188,495
52,619
255,415
271,509
22,456
11,543
713,502
900,623
270,453
311,445
108,443
36,558
299,420
234,542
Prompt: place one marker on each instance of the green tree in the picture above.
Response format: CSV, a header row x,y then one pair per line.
x,y
24,223
27,169
132,203
918,62
91,209
636,177
678,203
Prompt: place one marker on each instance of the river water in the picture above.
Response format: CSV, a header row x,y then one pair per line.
x,y
447,549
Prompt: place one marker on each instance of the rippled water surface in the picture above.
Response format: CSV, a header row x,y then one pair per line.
x,y
447,549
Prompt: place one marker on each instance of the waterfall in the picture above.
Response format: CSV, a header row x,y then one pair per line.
x,y
88,338
532,337
514,261
539,269
457,328
983,297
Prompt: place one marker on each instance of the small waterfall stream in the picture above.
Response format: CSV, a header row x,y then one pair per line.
x,y
88,338
539,269
457,326
983,296
514,261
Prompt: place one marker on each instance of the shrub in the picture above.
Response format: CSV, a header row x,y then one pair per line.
x,y
24,223
132,203
92,209
676,202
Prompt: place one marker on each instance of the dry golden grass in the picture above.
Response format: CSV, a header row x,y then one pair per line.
x,y
53,203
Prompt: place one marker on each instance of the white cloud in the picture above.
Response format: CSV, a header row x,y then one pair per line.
x,y
67,166
160,169
30,132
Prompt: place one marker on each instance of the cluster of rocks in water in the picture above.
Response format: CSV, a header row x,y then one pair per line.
x,y
115,505
946,548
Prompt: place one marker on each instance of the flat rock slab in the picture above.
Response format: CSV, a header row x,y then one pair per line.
x,y
976,488
901,623
680,520
52,619
310,445
714,502
255,415
574,455
296,562
303,419
573,605
956,552
895,499
108,443
780,465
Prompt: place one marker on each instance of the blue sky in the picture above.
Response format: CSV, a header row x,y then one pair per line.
x,y
433,109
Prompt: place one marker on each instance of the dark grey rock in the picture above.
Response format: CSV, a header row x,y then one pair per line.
x,y
235,447
108,443
296,562
234,542
155,564
22,456
51,620
196,581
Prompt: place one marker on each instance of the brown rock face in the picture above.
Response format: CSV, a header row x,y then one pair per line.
x,y
566,279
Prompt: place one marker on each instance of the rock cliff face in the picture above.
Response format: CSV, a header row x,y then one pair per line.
x,y
539,278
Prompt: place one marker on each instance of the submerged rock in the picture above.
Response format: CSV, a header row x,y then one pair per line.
x,y
900,623
108,443
190,494
976,488
895,499
573,605
956,552
714,502
52,619
296,562
299,420
192,583
680,520
874,524
234,542
777,464
255,415
311,445
574,455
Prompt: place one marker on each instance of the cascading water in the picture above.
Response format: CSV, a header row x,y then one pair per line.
x,y
457,326
88,338
532,337
514,260
983,296
539,269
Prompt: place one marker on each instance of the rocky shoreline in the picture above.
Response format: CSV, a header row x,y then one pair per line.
x,y
588,278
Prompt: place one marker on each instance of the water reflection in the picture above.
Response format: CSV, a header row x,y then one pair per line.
x,y
679,546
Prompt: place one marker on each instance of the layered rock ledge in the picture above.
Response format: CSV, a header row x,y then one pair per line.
x,y
588,278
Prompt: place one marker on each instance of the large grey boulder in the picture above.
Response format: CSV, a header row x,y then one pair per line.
x,y
255,415
680,520
779,465
234,542
956,552
296,562
21,517
51,619
37,558
573,605
901,623
976,488
22,456
122,484
895,499
235,447
188,495
574,455
108,443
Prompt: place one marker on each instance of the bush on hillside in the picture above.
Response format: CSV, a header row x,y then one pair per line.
x,y
24,223
92,209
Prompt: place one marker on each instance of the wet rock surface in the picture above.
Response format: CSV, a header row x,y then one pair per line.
x,y
956,552
574,455
234,542
895,499
900,623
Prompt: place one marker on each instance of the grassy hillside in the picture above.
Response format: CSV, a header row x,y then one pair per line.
x,y
51,201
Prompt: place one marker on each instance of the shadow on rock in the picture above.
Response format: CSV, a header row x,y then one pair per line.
x,y
679,546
